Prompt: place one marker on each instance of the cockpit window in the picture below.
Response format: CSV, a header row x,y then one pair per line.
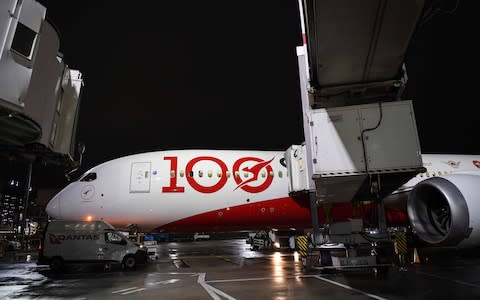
x,y
89,177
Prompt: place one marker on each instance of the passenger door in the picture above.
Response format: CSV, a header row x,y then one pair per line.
x,y
140,177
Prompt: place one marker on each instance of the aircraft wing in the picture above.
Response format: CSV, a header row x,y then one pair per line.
x,y
356,48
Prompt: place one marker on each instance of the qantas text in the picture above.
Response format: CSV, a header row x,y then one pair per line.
x,y
56,239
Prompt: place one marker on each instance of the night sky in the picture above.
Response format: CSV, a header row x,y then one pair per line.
x,y
222,74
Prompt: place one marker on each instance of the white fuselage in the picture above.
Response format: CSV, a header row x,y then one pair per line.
x,y
200,190
158,188
444,164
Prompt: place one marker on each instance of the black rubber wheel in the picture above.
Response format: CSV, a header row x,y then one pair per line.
x,y
56,264
129,262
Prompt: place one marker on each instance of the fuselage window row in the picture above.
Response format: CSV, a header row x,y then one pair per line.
x,y
434,173
237,174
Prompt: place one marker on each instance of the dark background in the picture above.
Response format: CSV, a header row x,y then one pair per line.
x,y
223,74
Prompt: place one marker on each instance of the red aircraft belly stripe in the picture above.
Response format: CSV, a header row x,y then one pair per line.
x,y
280,213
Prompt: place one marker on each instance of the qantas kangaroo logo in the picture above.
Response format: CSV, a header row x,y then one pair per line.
x,y
53,239
246,184
476,163
255,170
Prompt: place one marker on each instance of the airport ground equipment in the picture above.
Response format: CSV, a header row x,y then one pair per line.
x,y
68,242
259,240
361,140
199,236
346,245
152,249
271,240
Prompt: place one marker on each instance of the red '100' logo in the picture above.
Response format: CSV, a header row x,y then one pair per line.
x,y
222,180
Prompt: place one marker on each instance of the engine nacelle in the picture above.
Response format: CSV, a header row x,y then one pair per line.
x,y
445,211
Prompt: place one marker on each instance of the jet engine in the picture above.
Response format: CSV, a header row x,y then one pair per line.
x,y
445,211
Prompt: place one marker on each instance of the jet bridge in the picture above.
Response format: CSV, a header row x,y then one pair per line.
x,y
356,49
361,140
39,93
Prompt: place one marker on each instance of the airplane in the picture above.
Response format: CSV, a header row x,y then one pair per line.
x,y
199,190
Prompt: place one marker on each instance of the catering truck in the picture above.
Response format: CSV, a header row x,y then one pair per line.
x,y
68,242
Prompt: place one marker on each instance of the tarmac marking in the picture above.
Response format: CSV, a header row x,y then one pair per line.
x,y
227,260
216,293
246,279
169,281
448,279
171,273
179,263
258,278
303,276
213,292
349,287
134,291
124,290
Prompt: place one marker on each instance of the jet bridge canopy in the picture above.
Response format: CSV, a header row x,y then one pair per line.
x,y
356,48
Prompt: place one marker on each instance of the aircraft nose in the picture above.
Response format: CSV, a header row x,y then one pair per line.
x,y
53,207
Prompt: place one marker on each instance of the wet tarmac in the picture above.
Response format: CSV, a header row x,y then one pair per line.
x,y
228,269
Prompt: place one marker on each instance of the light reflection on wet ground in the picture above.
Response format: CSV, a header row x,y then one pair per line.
x,y
26,280
228,269
14,277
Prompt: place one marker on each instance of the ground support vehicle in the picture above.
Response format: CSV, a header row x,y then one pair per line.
x,y
69,242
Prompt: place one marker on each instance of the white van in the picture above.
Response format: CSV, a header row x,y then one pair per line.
x,y
87,242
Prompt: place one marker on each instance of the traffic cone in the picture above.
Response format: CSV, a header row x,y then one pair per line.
x,y
416,257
